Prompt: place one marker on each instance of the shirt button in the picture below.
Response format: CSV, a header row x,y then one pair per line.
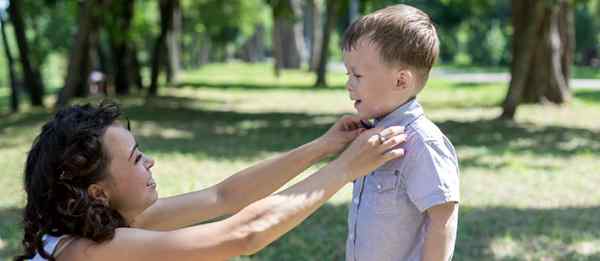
x,y
355,200
379,186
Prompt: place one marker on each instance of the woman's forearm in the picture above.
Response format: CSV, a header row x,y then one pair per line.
x,y
264,178
270,218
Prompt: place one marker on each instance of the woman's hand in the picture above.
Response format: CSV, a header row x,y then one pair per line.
x,y
370,150
345,130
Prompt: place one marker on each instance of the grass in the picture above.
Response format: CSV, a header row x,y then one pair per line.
x,y
528,188
577,72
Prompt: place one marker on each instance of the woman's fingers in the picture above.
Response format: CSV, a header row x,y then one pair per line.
x,y
393,154
392,131
392,142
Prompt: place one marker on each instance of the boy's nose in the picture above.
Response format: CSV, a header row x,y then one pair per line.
x,y
348,85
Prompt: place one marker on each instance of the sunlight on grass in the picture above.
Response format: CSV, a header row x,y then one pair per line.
x,y
528,187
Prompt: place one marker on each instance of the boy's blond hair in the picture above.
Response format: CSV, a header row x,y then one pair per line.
x,y
405,36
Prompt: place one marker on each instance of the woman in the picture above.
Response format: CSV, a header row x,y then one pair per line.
x,y
91,196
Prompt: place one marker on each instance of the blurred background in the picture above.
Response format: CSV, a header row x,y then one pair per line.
x,y
212,86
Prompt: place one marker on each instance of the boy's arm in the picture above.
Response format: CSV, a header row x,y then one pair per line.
x,y
248,185
433,186
441,236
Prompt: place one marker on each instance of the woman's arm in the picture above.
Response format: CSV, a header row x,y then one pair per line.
x,y
246,186
257,225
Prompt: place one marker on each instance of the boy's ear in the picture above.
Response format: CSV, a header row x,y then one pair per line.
x,y
98,192
404,79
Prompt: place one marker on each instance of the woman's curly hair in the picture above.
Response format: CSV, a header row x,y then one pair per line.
x,y
65,159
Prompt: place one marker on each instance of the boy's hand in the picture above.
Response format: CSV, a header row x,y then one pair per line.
x,y
345,130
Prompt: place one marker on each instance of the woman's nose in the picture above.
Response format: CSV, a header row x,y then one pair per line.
x,y
149,162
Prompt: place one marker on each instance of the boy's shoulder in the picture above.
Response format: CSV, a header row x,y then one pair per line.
x,y
423,131
423,138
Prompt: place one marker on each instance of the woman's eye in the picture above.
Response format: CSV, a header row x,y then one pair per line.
x,y
138,158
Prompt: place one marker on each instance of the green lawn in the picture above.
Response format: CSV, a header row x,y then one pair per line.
x,y
577,72
528,188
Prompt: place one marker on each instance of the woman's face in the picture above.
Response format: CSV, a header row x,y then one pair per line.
x,y
131,188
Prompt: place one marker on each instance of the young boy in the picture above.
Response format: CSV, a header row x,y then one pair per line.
x,y
408,208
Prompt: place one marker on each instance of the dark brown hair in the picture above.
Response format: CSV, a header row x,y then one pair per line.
x,y
65,159
404,35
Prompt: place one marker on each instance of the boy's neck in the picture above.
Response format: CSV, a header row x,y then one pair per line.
x,y
395,108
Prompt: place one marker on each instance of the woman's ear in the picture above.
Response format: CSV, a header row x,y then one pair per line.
x,y
99,192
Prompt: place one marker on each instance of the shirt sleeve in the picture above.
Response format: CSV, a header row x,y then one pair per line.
x,y
432,174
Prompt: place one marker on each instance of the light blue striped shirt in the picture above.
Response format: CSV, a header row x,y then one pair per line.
x,y
386,219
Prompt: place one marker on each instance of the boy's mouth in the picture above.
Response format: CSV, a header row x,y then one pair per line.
x,y
356,103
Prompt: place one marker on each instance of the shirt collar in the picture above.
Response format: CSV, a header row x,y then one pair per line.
x,y
403,115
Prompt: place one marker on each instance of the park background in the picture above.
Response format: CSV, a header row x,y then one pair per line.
x,y
212,86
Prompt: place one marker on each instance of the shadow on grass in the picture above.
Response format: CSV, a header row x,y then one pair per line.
x,y
588,95
322,236
222,134
502,137
258,87
10,232
480,227
476,85
233,135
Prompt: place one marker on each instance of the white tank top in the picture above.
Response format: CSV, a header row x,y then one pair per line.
x,y
50,243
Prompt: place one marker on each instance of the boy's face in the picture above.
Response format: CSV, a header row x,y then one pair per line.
x,y
376,88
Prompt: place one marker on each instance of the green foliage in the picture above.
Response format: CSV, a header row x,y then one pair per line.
x,y
223,21
50,27
587,31
463,25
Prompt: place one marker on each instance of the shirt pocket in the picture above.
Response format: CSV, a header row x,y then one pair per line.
x,y
382,191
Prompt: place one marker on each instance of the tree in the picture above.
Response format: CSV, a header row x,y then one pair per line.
x,y
167,8
332,10
543,42
174,54
315,32
124,56
85,43
31,73
14,96
287,34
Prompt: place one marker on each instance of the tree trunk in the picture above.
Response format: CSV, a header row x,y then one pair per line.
x,y
31,74
174,62
254,48
12,76
316,34
135,73
166,17
205,50
120,45
330,19
541,54
86,39
353,12
288,40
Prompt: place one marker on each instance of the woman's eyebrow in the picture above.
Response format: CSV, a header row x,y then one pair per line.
x,y
132,150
